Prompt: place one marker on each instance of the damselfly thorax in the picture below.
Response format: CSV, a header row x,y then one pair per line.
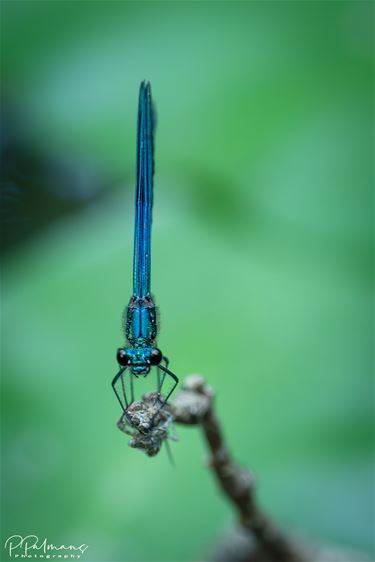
x,y
140,333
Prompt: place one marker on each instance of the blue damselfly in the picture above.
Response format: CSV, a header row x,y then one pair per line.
x,y
140,354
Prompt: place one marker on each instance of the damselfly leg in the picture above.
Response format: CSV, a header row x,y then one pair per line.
x,y
119,387
168,385
157,386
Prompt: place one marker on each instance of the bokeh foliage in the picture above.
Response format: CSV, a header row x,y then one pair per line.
x,y
261,264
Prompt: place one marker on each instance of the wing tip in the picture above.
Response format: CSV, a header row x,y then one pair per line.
x,y
145,89
145,100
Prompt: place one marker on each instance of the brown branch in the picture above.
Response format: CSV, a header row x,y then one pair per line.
x,y
148,424
257,539
194,405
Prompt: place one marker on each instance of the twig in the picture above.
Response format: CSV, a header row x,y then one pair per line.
x,y
194,405
149,423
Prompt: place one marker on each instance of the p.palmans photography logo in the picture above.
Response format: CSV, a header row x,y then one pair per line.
x,y
31,546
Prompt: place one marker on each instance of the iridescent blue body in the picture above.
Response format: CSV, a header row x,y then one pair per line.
x,y
140,326
140,333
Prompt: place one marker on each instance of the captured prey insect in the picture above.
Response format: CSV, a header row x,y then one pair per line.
x,y
140,355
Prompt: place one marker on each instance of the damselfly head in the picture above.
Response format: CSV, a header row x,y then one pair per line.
x,y
139,359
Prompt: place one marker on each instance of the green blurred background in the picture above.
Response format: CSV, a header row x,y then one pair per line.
x,y
261,264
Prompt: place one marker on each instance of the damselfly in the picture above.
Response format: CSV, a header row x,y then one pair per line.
x,y
140,355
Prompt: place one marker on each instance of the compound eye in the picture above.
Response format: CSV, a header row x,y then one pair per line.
x,y
155,356
122,357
